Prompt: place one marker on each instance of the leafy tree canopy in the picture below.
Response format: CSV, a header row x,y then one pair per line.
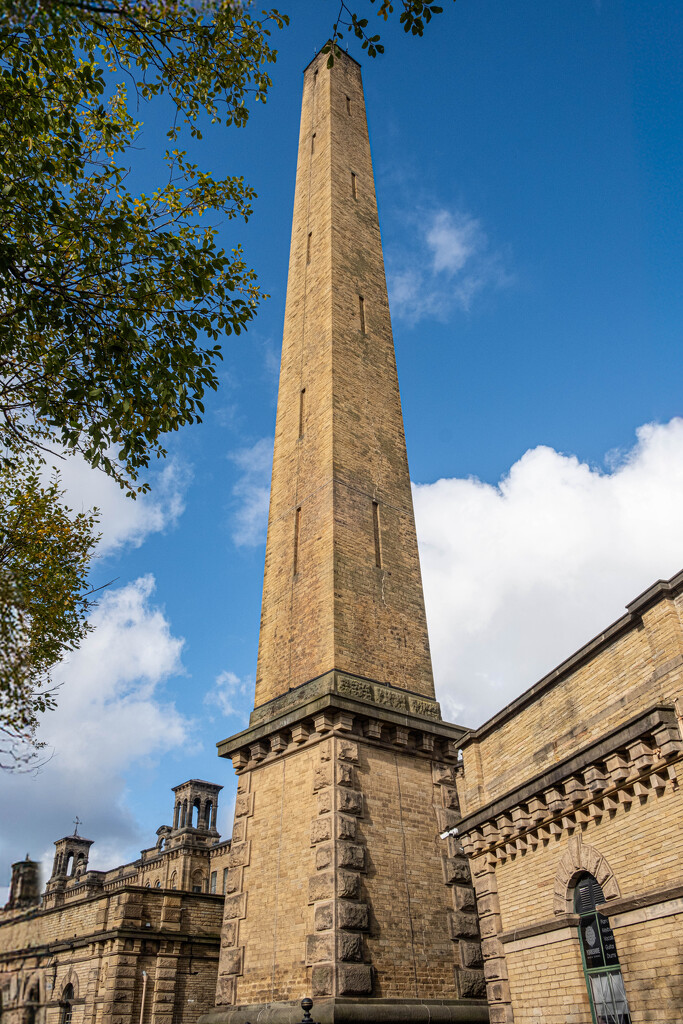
x,y
112,303
45,552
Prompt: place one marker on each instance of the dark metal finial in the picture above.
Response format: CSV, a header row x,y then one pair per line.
x,y
306,1006
77,822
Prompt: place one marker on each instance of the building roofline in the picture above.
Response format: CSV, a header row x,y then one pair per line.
x,y
634,610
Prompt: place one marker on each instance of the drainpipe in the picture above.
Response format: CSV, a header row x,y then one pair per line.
x,y
144,991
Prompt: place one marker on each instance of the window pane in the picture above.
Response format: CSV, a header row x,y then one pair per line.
x,y
619,997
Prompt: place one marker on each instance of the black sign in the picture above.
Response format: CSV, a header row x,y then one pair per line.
x,y
590,937
609,946
599,947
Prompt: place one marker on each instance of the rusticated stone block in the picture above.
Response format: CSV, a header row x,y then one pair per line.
x,y
321,830
347,750
233,881
450,798
351,855
446,818
491,947
488,904
346,827
352,915
244,805
235,906
463,925
322,776
324,801
350,801
324,856
442,774
239,854
225,990
501,1014
490,926
498,992
324,916
344,774
471,984
319,947
231,960
495,969
229,930
463,897
322,980
470,954
354,979
348,885
456,870
321,886
349,946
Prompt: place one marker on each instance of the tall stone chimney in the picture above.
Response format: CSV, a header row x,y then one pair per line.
x,y
340,887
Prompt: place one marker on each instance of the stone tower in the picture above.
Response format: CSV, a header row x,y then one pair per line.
x,y
24,890
339,885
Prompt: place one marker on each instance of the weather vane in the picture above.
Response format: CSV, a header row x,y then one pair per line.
x,y
77,822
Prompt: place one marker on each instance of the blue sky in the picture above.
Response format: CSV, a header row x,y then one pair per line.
x,y
528,159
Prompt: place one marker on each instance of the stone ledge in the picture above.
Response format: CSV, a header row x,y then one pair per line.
x,y
539,928
355,687
357,1011
645,899
332,713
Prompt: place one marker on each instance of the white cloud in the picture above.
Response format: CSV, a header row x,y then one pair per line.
x,y
252,493
123,520
518,576
449,261
112,717
231,696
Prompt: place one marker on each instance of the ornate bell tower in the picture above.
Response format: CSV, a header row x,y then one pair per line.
x,y
339,885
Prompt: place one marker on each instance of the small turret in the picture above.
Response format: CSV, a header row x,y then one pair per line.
x,y
71,860
196,806
24,890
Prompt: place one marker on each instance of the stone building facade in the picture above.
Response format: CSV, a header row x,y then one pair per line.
x,y
580,778
137,942
393,866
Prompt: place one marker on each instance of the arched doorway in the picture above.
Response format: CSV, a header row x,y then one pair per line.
x,y
599,953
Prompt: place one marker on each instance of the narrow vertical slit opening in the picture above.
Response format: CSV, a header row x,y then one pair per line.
x,y
375,526
361,313
354,187
313,143
348,105
297,526
302,399
308,247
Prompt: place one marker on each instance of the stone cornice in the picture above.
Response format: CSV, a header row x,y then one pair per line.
x,y
624,765
339,703
369,691
643,899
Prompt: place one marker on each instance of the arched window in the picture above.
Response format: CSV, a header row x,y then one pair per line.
x,y
600,958
80,864
174,879
32,1004
69,863
66,1003
183,819
195,813
207,814
157,884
